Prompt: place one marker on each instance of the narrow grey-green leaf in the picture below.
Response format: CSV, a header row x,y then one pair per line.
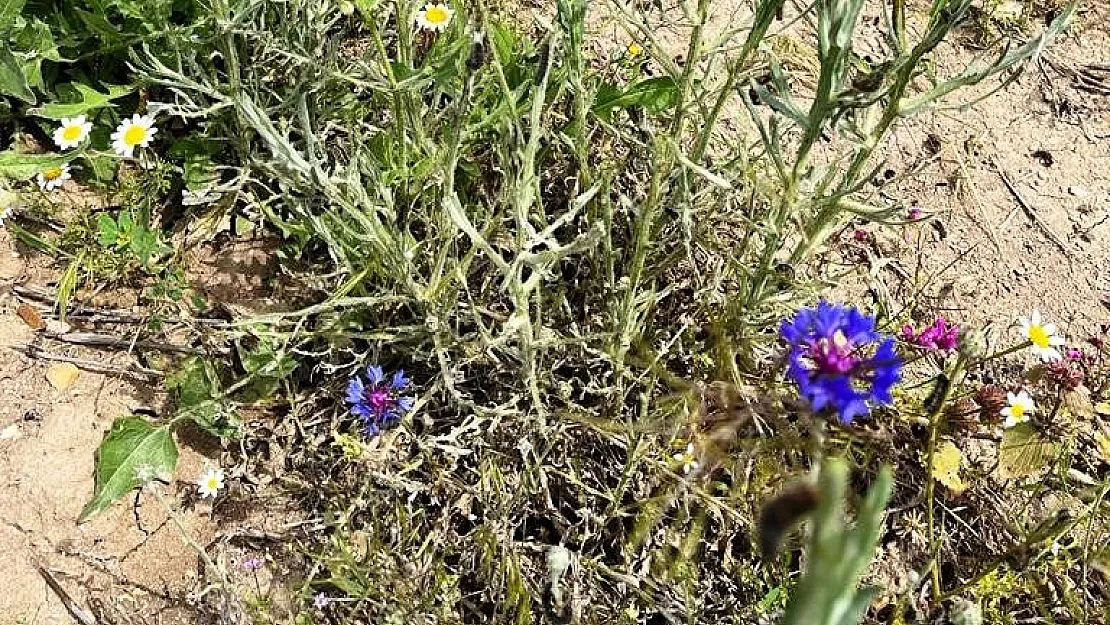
x,y
130,444
13,81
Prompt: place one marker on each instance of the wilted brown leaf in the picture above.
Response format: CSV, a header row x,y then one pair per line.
x,y
30,315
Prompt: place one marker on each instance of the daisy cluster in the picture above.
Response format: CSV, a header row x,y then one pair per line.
x,y
136,132
1044,342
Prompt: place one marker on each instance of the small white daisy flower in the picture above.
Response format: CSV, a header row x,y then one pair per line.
x,y
211,482
72,132
6,213
1018,409
688,459
136,132
434,16
1042,336
50,179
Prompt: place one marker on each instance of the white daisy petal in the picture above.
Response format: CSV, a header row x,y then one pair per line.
x,y
53,178
434,17
132,133
72,132
211,482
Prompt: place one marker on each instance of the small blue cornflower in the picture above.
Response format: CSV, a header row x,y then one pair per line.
x,y
377,401
835,362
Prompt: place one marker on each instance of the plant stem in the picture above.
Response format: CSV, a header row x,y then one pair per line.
x,y
187,536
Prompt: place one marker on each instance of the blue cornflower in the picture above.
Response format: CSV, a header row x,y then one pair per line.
x,y
833,363
377,401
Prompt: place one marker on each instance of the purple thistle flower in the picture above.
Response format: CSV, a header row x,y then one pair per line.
x,y
940,336
377,402
251,564
834,364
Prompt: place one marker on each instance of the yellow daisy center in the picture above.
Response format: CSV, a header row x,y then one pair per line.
x,y
71,133
213,483
52,173
1017,411
436,15
134,135
1038,336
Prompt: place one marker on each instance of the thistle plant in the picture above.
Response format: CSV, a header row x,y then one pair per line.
x,y
837,553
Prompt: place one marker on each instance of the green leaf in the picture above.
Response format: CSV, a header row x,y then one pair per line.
x,y
199,398
91,100
130,444
1023,452
196,153
18,166
107,230
9,11
35,37
100,26
654,94
13,81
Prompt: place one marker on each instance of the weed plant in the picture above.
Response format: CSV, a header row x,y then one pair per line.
x,y
581,268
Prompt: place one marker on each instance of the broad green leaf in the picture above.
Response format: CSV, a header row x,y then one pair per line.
x,y
91,99
196,153
36,38
1023,452
197,388
605,93
9,11
13,81
107,230
130,444
17,166
654,94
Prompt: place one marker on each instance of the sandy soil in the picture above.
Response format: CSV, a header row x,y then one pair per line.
x,y
127,563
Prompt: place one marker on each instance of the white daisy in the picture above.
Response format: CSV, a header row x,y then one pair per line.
x,y
132,133
688,459
6,213
434,16
1042,336
211,482
1018,409
50,179
72,132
